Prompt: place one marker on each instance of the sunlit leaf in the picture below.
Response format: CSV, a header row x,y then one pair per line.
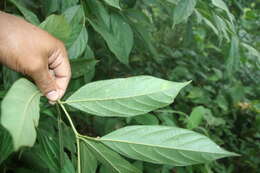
x,y
164,145
125,97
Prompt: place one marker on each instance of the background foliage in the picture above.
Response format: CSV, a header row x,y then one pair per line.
x,y
211,42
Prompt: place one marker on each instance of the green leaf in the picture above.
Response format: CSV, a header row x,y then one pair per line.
x,y
222,27
147,119
6,144
82,66
46,153
80,44
77,41
88,160
211,120
28,15
9,77
113,3
221,4
233,60
164,145
116,32
22,120
119,37
196,117
110,159
183,10
58,26
50,6
207,22
141,25
65,4
125,97
251,50
173,1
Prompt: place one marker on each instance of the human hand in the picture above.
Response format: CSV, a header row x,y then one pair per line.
x,y
34,52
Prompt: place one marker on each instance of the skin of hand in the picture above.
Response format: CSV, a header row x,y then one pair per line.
x,y
34,52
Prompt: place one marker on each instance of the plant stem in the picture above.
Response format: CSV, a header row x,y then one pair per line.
x,y
70,120
60,136
88,137
78,151
75,133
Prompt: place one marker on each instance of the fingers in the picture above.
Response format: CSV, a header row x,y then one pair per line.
x,y
59,64
46,83
52,75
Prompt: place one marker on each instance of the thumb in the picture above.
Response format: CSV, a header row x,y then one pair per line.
x,y
47,84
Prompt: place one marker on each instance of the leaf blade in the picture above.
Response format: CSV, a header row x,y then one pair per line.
x,y
26,97
164,145
125,97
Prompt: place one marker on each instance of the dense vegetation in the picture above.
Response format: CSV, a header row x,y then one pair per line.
x,y
214,43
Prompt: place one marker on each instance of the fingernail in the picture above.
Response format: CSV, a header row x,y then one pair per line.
x,y
52,95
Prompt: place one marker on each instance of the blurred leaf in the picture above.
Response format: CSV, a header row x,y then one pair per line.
x,y
183,10
113,3
82,66
28,15
58,26
252,50
232,63
146,119
222,27
196,117
164,145
221,4
50,6
141,27
80,44
65,4
116,32
125,97
78,39
21,121
9,77
173,1
6,144
211,120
